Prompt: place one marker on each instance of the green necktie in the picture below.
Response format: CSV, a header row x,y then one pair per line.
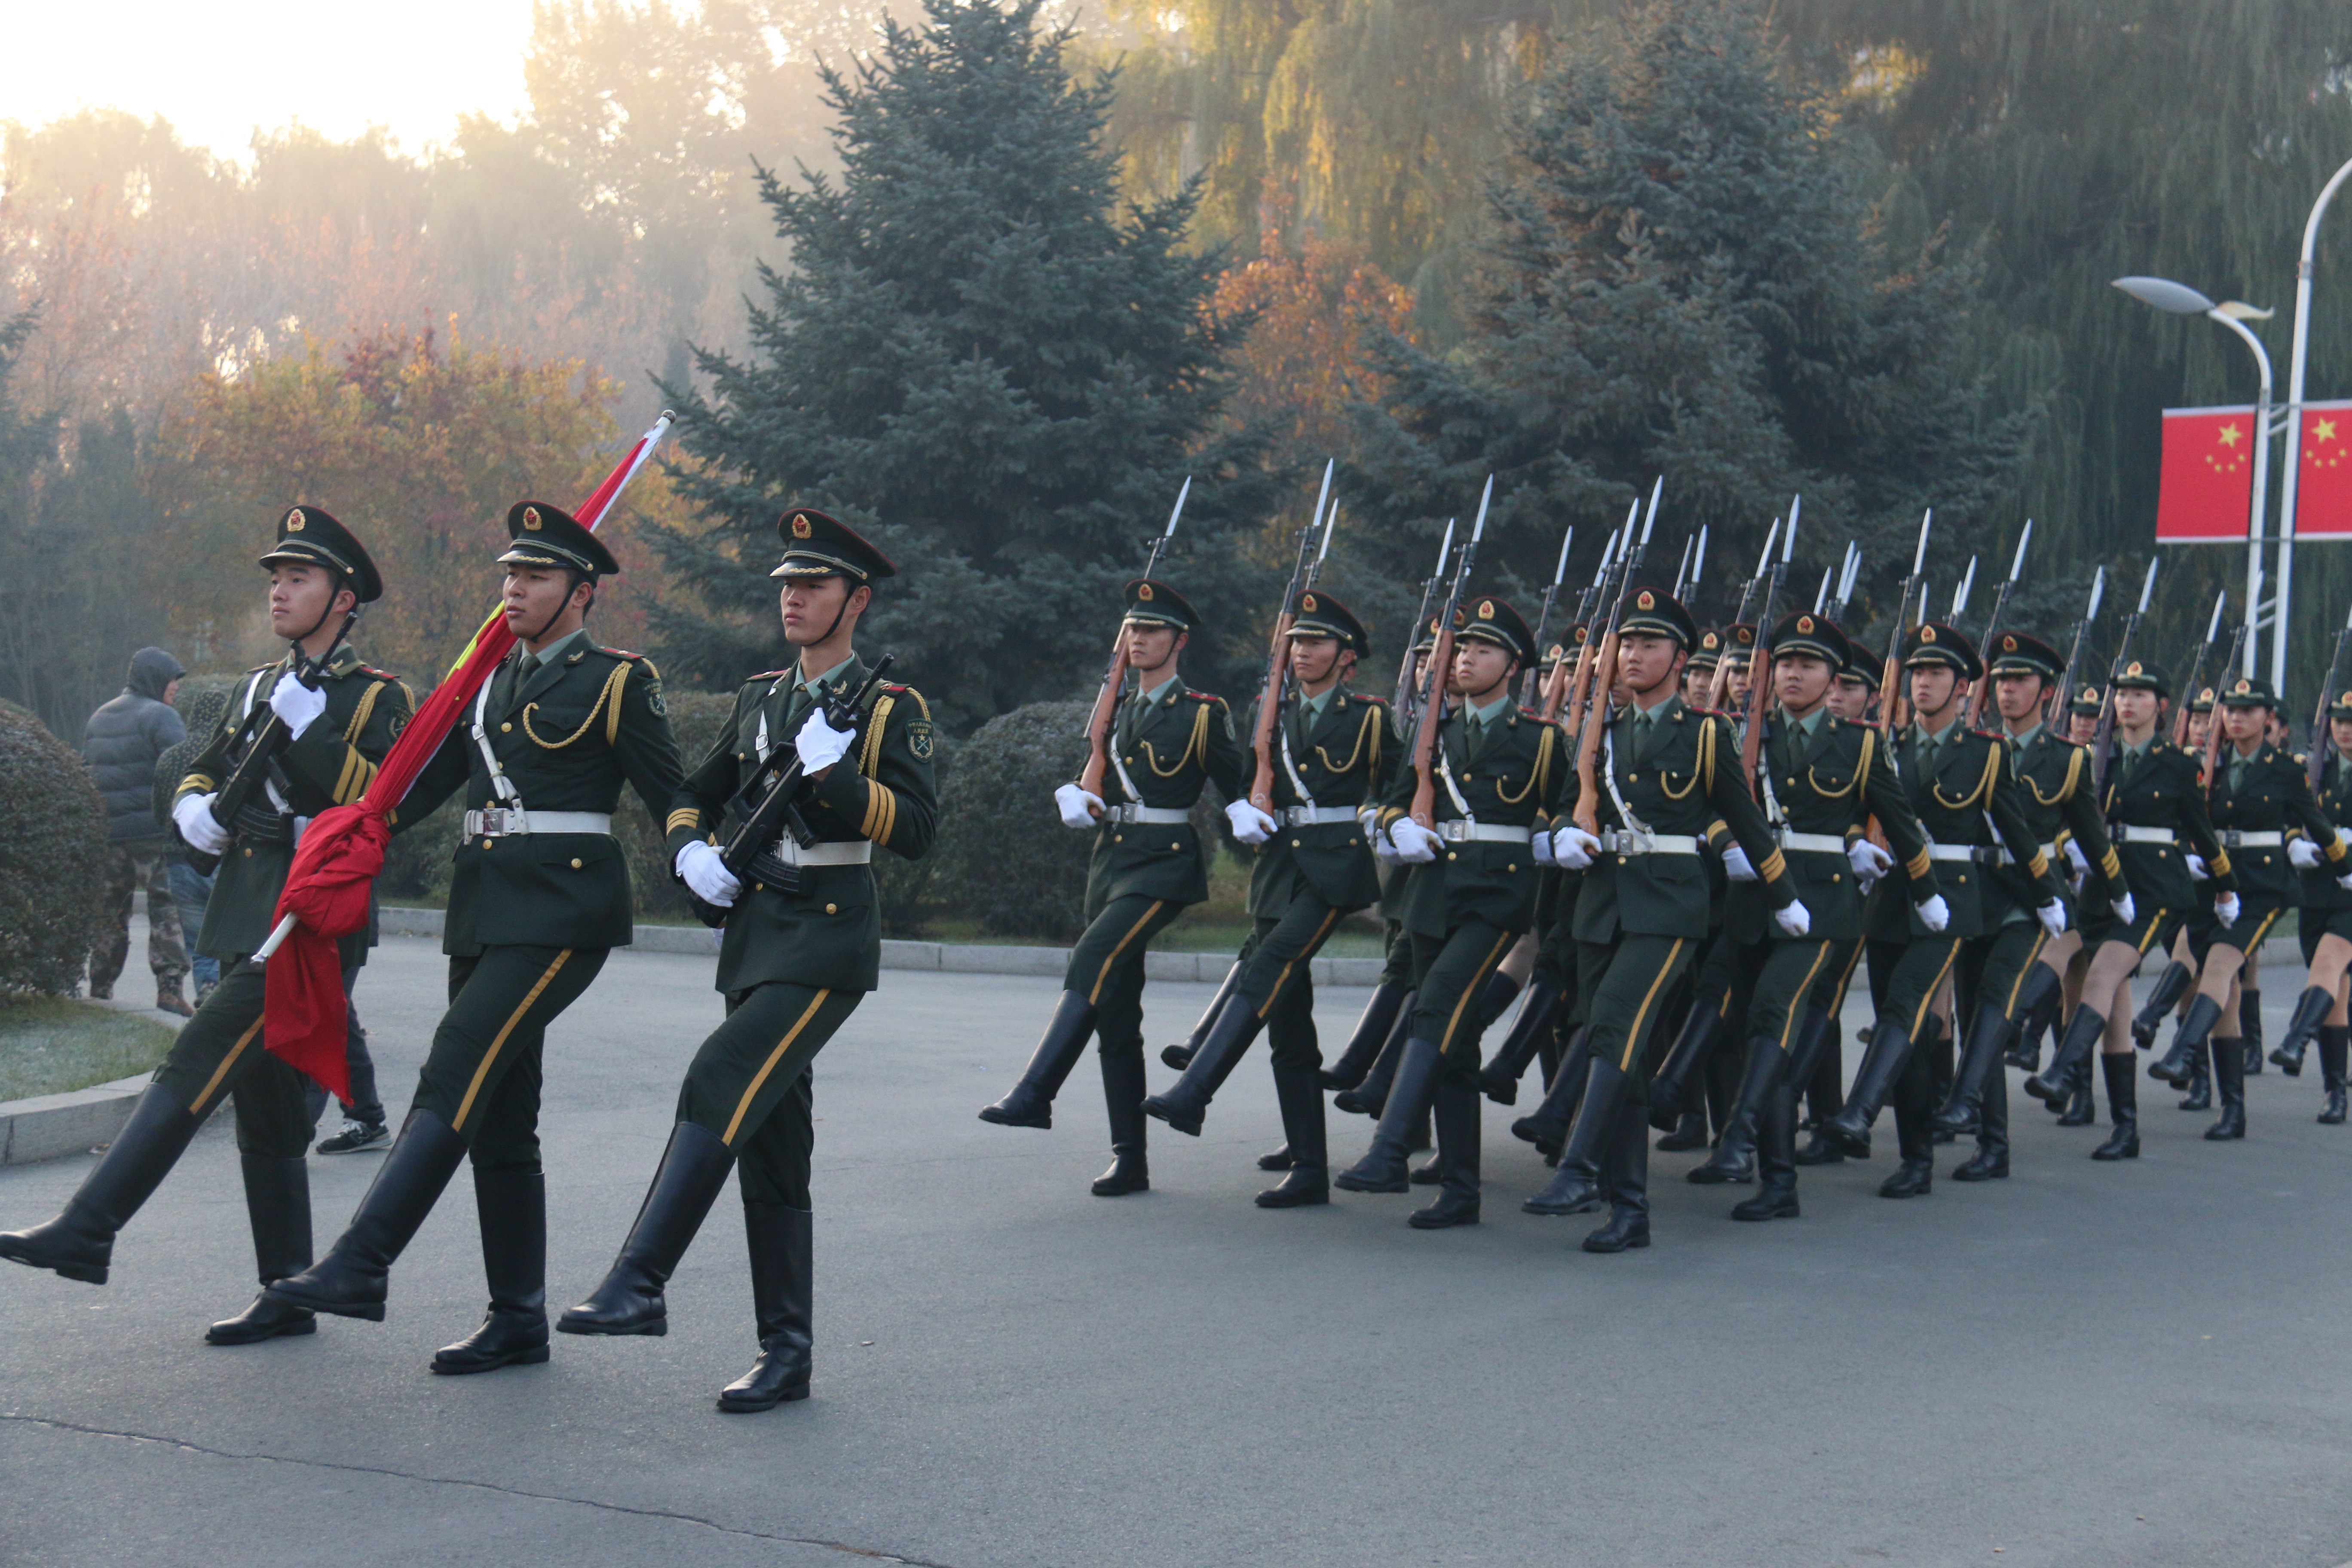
x,y
2238,773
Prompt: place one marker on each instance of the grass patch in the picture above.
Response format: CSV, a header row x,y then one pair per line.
x,y
51,1046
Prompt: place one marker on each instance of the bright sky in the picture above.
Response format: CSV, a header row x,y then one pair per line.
x,y
217,69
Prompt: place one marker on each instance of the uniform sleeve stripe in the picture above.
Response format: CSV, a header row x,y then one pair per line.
x,y
2220,864
685,816
2039,866
1915,867
2111,866
1774,868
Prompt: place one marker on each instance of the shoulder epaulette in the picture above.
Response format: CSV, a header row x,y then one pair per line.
x,y
257,668
379,674
1203,696
767,675
1368,697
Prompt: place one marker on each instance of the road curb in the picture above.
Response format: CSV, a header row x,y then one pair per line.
x,y
49,1125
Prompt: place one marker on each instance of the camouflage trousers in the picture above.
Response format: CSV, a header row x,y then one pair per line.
x,y
129,868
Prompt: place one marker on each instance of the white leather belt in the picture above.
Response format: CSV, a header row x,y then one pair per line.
x,y
1317,815
2265,839
506,821
2003,857
1632,841
1159,816
2144,835
1817,843
1952,852
848,852
1460,832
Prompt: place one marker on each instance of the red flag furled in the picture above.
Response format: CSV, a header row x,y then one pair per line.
x,y
326,895
2208,490
2322,491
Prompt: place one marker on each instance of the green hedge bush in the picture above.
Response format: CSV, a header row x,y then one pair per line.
x,y
1006,861
52,846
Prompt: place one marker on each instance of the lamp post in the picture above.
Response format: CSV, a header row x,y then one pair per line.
x,y
2296,364
2180,299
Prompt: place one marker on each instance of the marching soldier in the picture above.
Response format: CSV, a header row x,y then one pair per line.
x,y
318,729
1314,869
540,897
1670,782
2325,928
2155,807
1698,671
1169,744
803,947
1468,896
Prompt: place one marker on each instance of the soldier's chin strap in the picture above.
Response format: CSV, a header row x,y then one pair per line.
x,y
557,613
305,665
849,592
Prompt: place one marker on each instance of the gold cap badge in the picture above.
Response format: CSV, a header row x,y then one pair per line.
x,y
1307,603
1926,634
294,521
531,518
2241,686
1805,625
1648,601
801,528
1142,590
2007,644
2132,669
1485,609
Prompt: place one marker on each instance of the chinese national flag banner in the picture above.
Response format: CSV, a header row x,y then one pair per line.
x,y
2322,491
2208,476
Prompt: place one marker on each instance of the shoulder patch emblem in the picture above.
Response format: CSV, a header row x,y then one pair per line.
x,y
918,740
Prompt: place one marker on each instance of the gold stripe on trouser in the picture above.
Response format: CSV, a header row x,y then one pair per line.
x,y
1797,997
1928,998
1845,979
1470,992
2261,931
1314,943
2155,924
483,1069
1095,991
2041,941
743,1106
1633,1030
205,1095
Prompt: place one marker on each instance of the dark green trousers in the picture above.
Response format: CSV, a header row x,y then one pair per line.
x,y
1276,980
1107,968
1779,980
219,1052
1449,974
750,1084
1396,965
482,1075
1903,979
1992,969
1625,985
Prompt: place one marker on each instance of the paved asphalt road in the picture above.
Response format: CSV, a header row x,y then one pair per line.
x,y
2143,1364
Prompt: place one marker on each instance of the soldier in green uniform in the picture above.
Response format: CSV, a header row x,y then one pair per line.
x,y
2053,780
1542,1029
2261,793
1167,745
2325,927
1468,896
2169,994
803,947
2155,807
1333,750
1961,791
539,896
323,728
1852,695
1821,779
1670,782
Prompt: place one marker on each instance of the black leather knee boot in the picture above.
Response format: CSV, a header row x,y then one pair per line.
x,y
2123,1109
278,1205
1671,1096
1548,1128
2038,1003
2196,1029
630,1300
1579,1185
1180,1057
1500,1079
79,1243
1380,1016
1130,1168
1031,1103
1979,1059
2332,1044
1626,1173
2229,1083
2170,988
1882,1064
512,1208
2053,1083
782,1267
1383,1169
1456,1112
1776,1150
350,1280
1306,1178
2311,1010
1734,1159
1184,1106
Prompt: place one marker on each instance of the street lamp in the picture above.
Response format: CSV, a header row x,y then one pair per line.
x,y
2296,364
2180,299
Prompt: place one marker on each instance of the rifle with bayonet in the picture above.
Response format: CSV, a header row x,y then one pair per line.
x,y
1890,696
1847,574
2315,760
2197,670
1983,688
1277,659
1721,677
1441,670
236,807
1104,712
1570,667
2103,739
1405,704
1601,679
1579,684
1543,619
1759,669
766,810
2056,718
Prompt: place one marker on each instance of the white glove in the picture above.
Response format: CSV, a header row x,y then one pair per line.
x,y
1415,845
1935,914
2344,881
2052,916
1251,826
1369,819
1738,868
1572,848
820,745
1540,842
299,706
2126,910
1384,849
1078,807
193,812
2074,858
1796,919
1868,860
707,875
2302,854
2225,905
2197,872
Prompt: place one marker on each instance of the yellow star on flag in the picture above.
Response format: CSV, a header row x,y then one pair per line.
x,y
2231,435
2322,429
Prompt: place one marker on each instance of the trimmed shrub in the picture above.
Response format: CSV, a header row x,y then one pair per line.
x,y
1004,859
200,705
52,843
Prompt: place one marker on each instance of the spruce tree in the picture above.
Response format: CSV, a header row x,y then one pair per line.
x,y
1684,278
984,364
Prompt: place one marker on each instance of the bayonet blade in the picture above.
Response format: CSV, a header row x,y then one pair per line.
x,y
1323,494
2099,592
2018,565
2148,584
1650,521
1478,529
1789,539
2213,627
1821,599
1444,550
1698,559
1178,511
1961,594
1919,556
1559,572
1771,537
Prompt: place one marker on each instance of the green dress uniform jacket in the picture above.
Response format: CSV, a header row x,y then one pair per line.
x,y
1829,786
332,763
2054,788
829,933
1965,795
2270,793
567,736
1510,773
2162,792
1171,745
2319,889
1344,759
1685,781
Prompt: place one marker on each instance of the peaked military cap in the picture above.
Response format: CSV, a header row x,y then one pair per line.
x,y
1490,620
817,545
1807,633
1152,603
1863,670
2087,702
1932,644
2020,653
1739,644
1654,613
2340,707
1321,615
310,535
1708,651
1427,641
544,535
2142,675
2249,691
2202,702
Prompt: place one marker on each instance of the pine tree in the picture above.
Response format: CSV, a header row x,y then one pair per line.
x,y
1684,278
982,363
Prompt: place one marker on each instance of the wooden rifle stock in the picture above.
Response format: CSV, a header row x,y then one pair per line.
x,y
1099,721
1594,691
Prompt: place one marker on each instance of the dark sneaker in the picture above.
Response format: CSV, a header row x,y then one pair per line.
x,y
355,1137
